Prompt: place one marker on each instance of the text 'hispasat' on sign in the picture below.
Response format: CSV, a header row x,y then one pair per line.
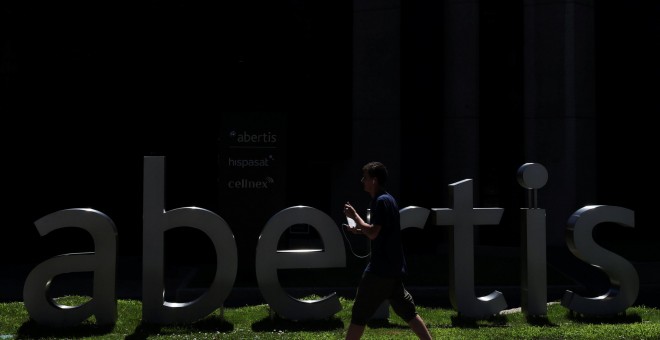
x,y
461,217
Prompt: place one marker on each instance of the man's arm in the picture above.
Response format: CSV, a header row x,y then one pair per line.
x,y
361,227
370,230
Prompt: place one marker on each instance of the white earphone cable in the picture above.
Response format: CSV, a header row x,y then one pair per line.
x,y
350,246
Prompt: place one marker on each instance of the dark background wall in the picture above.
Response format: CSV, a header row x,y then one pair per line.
x,y
90,88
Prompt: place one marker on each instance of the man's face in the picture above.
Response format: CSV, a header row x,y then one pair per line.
x,y
368,182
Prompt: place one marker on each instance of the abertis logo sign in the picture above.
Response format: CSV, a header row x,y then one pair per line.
x,y
461,217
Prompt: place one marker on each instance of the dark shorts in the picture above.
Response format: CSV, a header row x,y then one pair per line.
x,y
373,290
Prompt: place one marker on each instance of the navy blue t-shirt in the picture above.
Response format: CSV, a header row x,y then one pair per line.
x,y
387,258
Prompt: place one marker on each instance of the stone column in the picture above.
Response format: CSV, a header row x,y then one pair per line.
x,y
460,121
376,99
559,105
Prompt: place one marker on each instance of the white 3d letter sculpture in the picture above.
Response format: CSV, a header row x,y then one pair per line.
x,y
533,284
269,260
622,274
156,221
463,217
410,217
103,304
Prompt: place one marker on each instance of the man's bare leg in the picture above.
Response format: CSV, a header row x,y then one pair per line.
x,y
419,327
354,332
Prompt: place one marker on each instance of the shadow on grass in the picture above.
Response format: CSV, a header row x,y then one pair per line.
x,y
277,323
540,320
32,330
384,323
209,324
611,319
467,322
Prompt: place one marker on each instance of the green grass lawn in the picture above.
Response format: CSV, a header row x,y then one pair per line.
x,y
252,322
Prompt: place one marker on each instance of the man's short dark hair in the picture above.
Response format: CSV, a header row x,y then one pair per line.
x,y
377,170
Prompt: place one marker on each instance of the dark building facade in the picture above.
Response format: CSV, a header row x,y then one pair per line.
x,y
439,91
